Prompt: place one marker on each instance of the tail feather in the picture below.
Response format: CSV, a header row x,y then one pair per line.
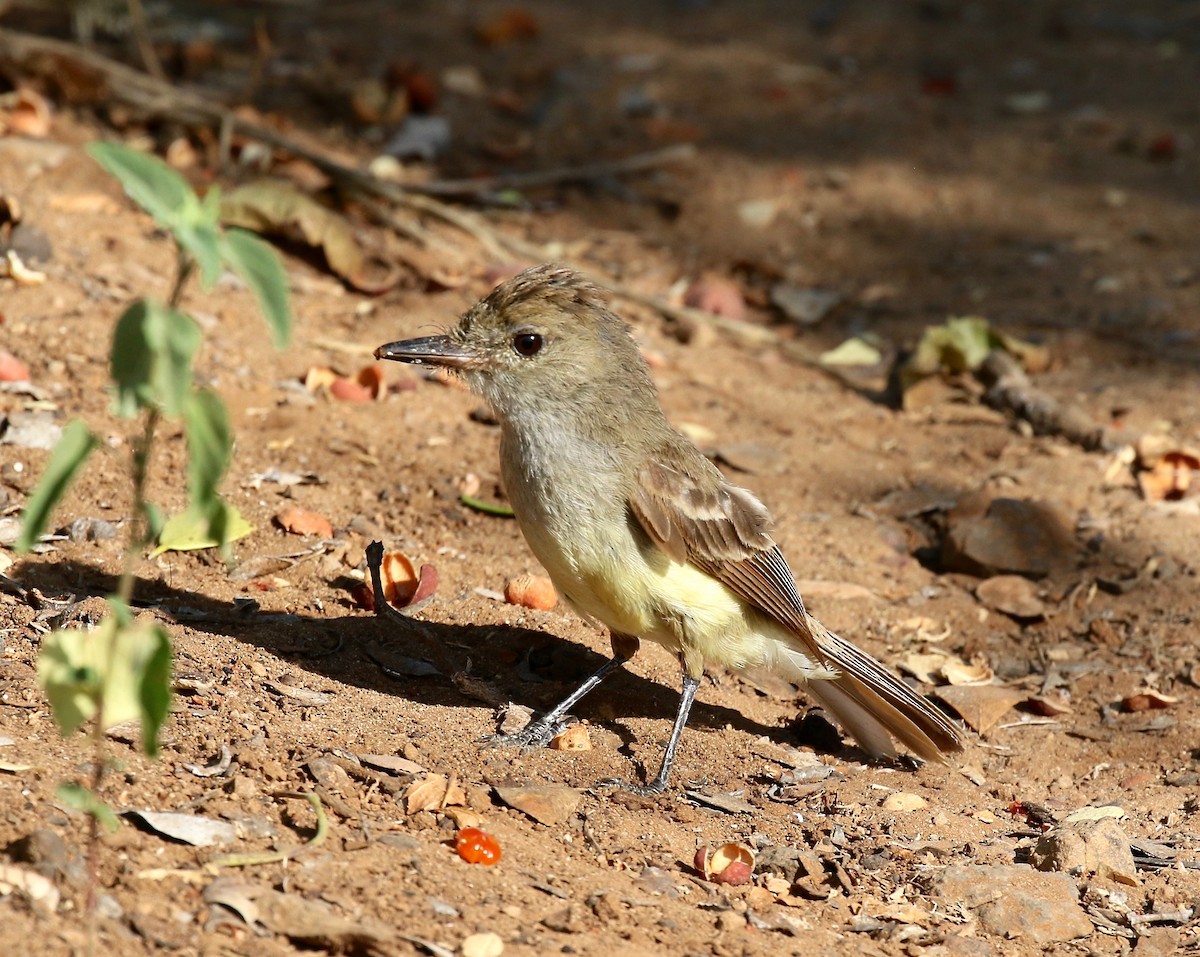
x,y
876,707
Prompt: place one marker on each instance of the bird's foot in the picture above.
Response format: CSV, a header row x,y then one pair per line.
x,y
653,789
536,734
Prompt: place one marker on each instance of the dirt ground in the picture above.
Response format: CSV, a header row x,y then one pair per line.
x,y
1035,164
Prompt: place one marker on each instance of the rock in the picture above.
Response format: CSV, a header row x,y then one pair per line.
x,y
1007,536
1011,595
904,801
1015,901
805,307
1089,847
547,804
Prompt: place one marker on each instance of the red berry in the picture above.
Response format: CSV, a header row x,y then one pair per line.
x,y
477,847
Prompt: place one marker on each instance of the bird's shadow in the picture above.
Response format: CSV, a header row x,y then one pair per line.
x,y
528,667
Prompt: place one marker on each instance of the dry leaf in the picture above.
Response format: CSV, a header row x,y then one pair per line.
x,y
463,817
925,666
300,521
1011,595
960,673
1048,706
981,706
433,793
277,207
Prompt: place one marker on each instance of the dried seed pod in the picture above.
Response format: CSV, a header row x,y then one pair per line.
x,y
531,591
731,864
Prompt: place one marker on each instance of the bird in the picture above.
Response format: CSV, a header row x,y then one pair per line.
x,y
637,529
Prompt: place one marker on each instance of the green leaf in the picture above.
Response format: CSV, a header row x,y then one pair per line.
x,y
166,196
855,351
122,669
67,672
152,354
210,446
960,345
259,268
150,182
193,529
86,800
154,684
68,456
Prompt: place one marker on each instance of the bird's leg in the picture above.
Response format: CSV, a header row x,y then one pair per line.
x,y
537,734
686,696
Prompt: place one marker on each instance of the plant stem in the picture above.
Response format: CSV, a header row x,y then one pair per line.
x,y
139,526
186,265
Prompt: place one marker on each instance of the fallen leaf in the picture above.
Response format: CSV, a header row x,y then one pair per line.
x,y
391,763
277,207
958,672
855,351
188,531
432,793
1048,706
1094,813
191,829
926,666
980,706
1011,595
300,521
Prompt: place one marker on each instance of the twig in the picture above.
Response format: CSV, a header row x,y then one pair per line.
x,y
141,36
1010,390
680,153
118,83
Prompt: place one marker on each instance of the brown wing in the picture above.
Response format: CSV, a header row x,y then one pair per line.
x,y
694,515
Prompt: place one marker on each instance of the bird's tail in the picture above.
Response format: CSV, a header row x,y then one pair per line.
x,y
875,706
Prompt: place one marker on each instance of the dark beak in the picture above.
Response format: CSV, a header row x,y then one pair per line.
x,y
431,350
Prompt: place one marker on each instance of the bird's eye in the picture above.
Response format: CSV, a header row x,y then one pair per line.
x,y
527,344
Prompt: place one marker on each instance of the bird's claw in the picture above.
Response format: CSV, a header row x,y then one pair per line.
x,y
653,789
535,735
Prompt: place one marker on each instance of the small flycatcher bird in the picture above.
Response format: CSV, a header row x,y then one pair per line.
x,y
637,528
